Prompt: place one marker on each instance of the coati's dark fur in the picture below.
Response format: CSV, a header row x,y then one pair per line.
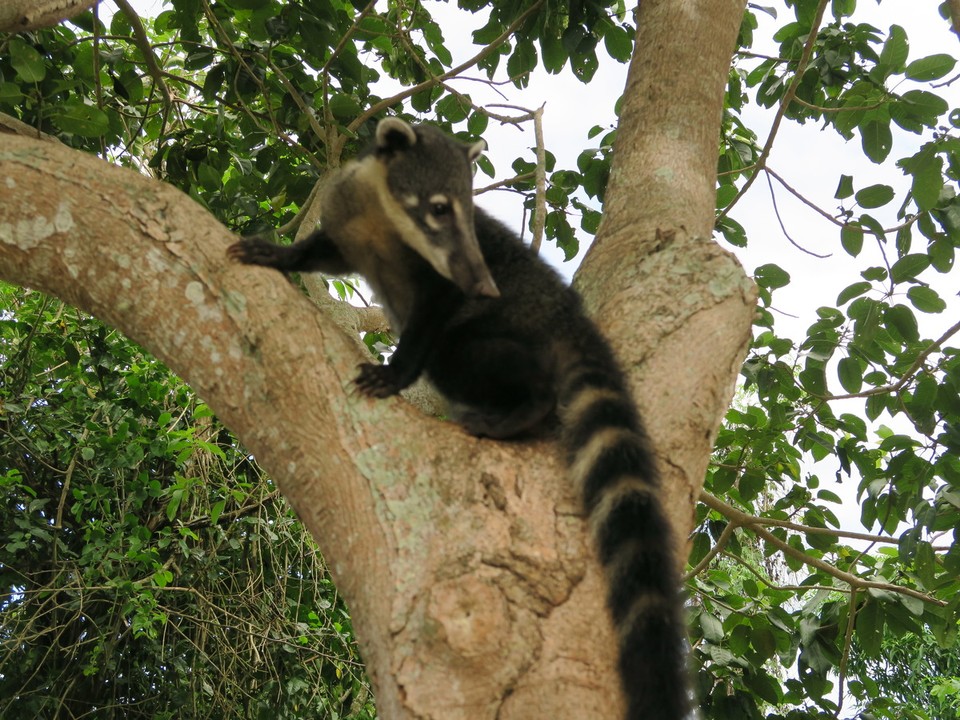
x,y
508,353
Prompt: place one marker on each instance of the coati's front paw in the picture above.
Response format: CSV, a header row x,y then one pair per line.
x,y
254,251
379,381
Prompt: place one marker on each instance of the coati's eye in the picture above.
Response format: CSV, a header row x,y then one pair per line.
x,y
439,209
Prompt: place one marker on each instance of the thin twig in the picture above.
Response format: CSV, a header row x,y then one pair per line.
x,y
784,104
783,228
379,107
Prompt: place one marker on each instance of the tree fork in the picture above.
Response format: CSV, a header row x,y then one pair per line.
x,y
464,562
655,235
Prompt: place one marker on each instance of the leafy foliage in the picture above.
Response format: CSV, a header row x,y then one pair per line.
x,y
135,528
911,677
147,567
866,396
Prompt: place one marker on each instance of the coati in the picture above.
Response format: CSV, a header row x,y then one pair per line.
x,y
508,345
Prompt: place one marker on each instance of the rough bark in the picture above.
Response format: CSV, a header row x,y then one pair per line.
x,y
465,564
18,15
654,275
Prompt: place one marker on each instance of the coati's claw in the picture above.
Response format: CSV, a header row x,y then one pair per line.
x,y
377,381
253,251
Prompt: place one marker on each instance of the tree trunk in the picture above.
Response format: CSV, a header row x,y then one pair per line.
x,y
654,277
465,563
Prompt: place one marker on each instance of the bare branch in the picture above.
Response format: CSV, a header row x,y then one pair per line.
x,y
142,42
756,525
540,207
783,228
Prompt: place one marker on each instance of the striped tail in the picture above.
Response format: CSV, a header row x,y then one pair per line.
x,y
613,467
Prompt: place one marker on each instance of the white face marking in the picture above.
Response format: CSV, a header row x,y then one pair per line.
x,y
411,201
439,199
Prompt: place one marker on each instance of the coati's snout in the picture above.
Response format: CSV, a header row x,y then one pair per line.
x,y
471,275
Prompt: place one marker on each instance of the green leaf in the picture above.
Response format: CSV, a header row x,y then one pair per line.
x,y
477,123
928,182
932,67
553,53
909,266
813,380
852,291
917,109
850,373
851,238
840,9
173,505
618,41
913,604
875,196
872,225
893,57
10,93
712,627
844,187
453,108
344,107
904,240
771,276
216,511
926,565
584,65
77,118
876,140
26,61
925,299
522,62
942,254
900,320
869,624
434,37
162,578
763,686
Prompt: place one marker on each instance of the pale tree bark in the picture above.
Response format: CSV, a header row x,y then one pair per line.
x,y
17,15
465,564
691,307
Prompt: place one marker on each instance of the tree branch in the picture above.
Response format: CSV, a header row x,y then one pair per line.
x,y
142,42
906,377
373,481
20,15
756,525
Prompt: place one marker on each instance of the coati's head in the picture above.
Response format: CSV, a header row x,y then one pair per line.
x,y
429,180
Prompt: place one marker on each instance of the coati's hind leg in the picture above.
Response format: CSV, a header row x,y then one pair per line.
x,y
316,252
496,387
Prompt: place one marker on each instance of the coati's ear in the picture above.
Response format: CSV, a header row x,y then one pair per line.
x,y
395,134
473,151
